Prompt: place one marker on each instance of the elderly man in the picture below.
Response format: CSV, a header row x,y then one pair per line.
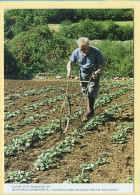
x,y
91,64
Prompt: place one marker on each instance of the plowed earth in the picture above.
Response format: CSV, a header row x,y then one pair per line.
x,y
86,150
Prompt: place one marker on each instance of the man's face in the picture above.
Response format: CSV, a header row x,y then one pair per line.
x,y
84,49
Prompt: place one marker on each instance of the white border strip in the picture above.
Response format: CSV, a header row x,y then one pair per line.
x,y
70,188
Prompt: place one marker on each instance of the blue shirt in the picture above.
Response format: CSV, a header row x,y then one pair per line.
x,y
89,63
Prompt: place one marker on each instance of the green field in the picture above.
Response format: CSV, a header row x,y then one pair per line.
x,y
125,23
54,27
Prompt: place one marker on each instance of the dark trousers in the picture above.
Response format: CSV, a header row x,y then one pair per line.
x,y
91,103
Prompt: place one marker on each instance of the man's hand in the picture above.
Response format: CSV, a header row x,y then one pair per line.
x,y
97,72
95,75
69,75
69,67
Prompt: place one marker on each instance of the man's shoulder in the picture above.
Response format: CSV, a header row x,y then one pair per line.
x,y
95,48
76,51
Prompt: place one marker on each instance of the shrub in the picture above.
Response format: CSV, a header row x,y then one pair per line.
x,y
91,29
19,20
87,28
38,50
126,33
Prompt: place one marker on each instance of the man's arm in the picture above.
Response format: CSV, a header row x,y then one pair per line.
x,y
69,68
103,66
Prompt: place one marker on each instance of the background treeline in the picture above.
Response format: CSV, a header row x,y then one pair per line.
x,y
31,47
19,20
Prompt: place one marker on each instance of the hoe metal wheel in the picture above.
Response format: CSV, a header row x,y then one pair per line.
x,y
65,114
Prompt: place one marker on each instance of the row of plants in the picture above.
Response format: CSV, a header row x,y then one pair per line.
x,y
86,169
44,90
32,92
9,105
70,142
35,106
106,98
83,177
35,116
30,138
101,101
111,85
53,155
122,135
46,159
102,90
50,100
37,134
30,119
106,86
132,97
19,177
64,146
103,117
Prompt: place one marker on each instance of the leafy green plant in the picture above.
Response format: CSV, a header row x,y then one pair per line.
x,y
132,97
54,154
126,128
9,126
78,179
130,179
9,105
105,154
19,177
101,161
121,136
76,133
12,96
87,167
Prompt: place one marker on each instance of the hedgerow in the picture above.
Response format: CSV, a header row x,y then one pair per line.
x,y
97,30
